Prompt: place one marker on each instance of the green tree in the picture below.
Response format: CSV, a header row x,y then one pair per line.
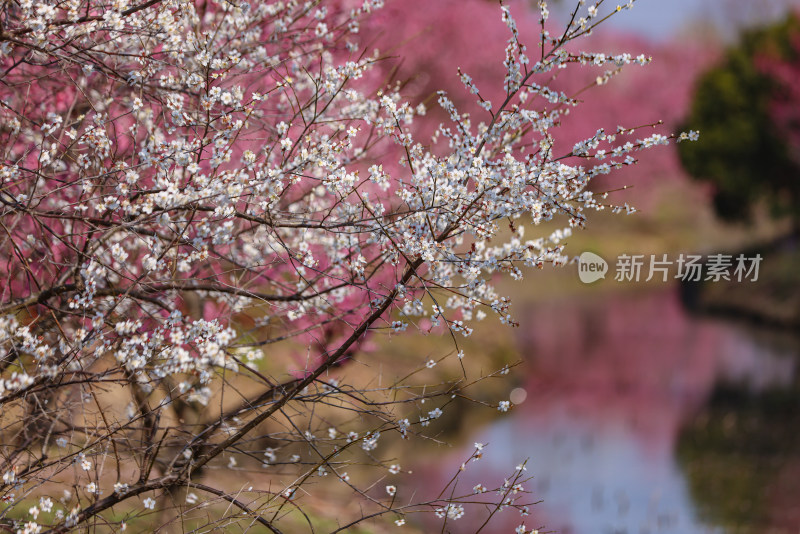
x,y
742,149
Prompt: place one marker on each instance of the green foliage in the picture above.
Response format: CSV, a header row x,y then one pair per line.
x,y
734,453
740,149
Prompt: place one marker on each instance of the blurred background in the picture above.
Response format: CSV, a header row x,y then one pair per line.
x,y
658,407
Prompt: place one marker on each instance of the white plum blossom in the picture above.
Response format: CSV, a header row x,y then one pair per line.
x,y
452,511
212,210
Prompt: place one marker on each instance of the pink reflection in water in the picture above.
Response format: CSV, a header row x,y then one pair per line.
x,y
610,384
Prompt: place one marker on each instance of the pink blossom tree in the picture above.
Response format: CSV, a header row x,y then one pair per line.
x,y
207,207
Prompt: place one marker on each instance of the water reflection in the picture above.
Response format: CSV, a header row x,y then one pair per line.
x,y
614,387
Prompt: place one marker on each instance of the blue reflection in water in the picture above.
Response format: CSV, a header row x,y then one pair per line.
x,y
610,385
593,478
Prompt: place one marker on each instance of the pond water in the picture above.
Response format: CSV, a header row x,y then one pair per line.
x,y
640,418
